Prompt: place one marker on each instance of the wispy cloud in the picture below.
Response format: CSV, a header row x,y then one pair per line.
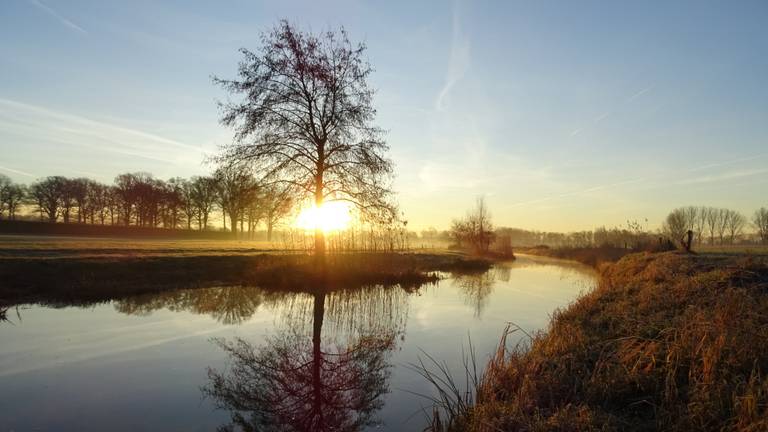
x,y
459,60
610,112
577,192
62,19
722,177
46,125
638,94
15,171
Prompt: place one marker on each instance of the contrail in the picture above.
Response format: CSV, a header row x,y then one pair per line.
x,y
58,16
15,171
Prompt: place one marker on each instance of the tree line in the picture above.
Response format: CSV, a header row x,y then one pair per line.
x,y
140,199
711,225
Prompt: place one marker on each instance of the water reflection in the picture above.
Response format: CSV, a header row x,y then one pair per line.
x,y
227,305
329,378
333,360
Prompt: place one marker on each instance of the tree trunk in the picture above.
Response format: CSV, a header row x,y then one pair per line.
x,y
269,231
317,356
233,223
319,234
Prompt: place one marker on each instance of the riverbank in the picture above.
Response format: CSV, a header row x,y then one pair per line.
x,y
46,278
591,256
666,341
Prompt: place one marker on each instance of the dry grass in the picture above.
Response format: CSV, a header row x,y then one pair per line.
x,y
87,279
665,342
25,246
591,256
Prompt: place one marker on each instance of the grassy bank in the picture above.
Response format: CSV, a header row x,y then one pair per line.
x,y
591,256
666,341
72,279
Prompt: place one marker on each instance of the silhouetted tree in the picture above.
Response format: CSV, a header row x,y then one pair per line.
x,y
276,202
760,222
11,195
735,223
5,182
677,224
49,194
306,119
236,188
204,197
476,229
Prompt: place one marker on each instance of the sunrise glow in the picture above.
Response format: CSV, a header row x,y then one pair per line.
x,y
331,216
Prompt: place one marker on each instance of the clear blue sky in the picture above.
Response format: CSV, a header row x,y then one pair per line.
x,y
565,115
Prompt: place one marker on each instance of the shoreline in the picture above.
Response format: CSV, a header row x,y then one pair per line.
x,y
665,341
95,278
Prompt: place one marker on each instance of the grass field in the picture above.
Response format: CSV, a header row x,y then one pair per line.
x,y
77,269
21,246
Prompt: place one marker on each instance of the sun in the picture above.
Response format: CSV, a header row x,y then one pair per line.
x,y
331,216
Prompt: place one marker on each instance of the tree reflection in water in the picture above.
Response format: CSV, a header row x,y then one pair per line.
x,y
227,305
477,287
302,380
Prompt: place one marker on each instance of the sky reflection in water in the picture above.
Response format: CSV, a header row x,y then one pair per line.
x,y
200,359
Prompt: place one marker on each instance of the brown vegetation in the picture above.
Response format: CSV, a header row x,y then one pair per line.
x,y
88,279
591,256
666,341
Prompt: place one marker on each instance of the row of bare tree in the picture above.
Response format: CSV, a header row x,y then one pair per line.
x,y
139,199
713,225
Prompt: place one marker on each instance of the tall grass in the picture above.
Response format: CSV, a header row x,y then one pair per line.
x,y
665,342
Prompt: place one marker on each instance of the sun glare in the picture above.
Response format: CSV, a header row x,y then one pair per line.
x,y
331,216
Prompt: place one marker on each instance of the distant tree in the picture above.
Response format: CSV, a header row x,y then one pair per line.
x,y
48,195
77,195
276,203
476,229
760,222
722,223
5,182
13,196
204,197
306,119
735,225
236,188
188,202
676,226
172,202
97,201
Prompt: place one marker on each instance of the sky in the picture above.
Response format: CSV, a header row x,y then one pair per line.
x,y
563,115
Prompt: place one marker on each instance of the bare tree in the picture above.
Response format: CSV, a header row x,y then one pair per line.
x,y
48,194
760,221
735,225
677,225
306,119
476,229
5,183
13,197
236,187
276,203
712,223
188,202
722,223
204,196
98,201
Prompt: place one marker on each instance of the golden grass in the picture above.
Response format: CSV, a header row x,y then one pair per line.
x,y
665,342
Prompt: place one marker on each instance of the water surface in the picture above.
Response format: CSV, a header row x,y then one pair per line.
x,y
200,359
